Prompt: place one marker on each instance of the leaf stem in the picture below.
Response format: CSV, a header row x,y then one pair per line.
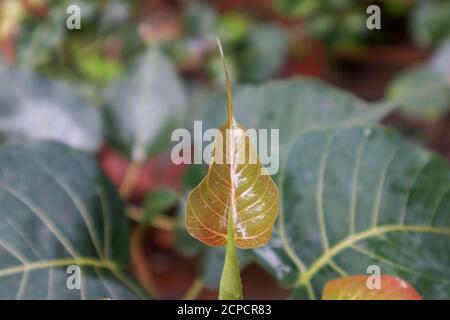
x,y
230,281
162,222
129,180
194,290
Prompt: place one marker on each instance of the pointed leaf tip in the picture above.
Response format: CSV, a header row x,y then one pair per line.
x,y
220,47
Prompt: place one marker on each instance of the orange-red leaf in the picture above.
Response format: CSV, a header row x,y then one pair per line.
x,y
236,184
356,288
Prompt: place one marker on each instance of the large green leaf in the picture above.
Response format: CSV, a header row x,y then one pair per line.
x,y
34,107
39,40
421,92
264,53
440,60
424,91
294,106
354,197
57,210
144,106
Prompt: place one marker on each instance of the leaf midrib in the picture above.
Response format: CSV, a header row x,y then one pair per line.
x,y
327,255
86,262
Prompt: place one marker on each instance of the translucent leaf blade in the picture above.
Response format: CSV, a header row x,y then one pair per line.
x,y
252,193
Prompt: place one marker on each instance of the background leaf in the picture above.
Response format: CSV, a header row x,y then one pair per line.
x,y
263,54
294,106
58,209
440,60
420,92
144,106
424,91
34,107
355,288
353,197
430,21
158,202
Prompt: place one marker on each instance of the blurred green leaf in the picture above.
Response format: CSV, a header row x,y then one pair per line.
x,y
297,8
199,18
98,68
40,42
293,106
430,21
440,60
420,92
424,91
34,107
44,43
397,7
264,53
143,106
232,28
158,202
360,196
114,15
67,214
338,23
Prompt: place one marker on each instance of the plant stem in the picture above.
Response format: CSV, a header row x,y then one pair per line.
x,y
194,290
140,261
129,180
161,222
230,281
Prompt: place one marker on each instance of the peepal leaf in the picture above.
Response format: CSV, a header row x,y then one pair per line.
x,y
353,197
430,22
144,106
424,90
264,53
59,210
356,288
237,201
34,107
302,105
420,92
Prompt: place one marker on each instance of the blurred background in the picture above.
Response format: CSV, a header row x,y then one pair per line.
x,y
129,53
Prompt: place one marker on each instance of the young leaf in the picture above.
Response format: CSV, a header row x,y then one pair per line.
x,y
236,185
356,288
34,107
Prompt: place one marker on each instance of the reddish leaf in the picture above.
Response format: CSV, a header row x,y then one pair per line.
x,y
356,288
156,172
